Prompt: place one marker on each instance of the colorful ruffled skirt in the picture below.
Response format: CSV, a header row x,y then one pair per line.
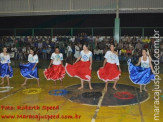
x,y
56,72
5,71
81,70
109,72
139,75
27,72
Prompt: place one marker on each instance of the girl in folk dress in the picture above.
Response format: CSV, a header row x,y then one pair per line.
x,y
5,68
57,71
30,70
141,75
82,67
110,71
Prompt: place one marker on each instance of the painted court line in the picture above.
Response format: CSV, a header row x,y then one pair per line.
x,y
11,94
139,105
98,106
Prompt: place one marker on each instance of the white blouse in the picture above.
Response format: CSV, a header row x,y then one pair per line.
x,y
33,59
57,58
84,56
111,58
145,64
5,58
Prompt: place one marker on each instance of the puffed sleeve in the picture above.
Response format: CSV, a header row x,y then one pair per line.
x,y
52,57
106,55
61,57
8,59
29,57
36,59
81,53
117,60
90,54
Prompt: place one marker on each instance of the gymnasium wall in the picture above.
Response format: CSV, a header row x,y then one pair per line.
x,y
60,7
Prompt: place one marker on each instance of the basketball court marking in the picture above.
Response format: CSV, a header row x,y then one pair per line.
x,y
98,106
139,105
11,94
110,105
7,89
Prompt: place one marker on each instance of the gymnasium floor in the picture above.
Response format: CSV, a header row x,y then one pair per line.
x,y
139,112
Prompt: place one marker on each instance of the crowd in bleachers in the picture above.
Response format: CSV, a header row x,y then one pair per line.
x,y
70,46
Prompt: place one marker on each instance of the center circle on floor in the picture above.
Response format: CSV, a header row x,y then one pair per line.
x,y
32,91
125,95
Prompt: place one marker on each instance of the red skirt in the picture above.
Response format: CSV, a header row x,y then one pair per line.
x,y
80,70
56,72
109,72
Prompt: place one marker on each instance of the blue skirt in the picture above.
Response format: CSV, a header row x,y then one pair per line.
x,y
140,75
5,72
27,72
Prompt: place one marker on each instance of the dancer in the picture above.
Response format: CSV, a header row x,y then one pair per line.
x,y
141,75
110,71
30,70
82,69
57,71
5,68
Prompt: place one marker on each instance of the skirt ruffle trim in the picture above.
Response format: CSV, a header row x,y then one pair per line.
x,y
129,63
32,77
106,80
51,78
6,76
60,68
9,74
87,76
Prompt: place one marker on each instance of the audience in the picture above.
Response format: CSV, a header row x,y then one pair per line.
x,y
70,46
